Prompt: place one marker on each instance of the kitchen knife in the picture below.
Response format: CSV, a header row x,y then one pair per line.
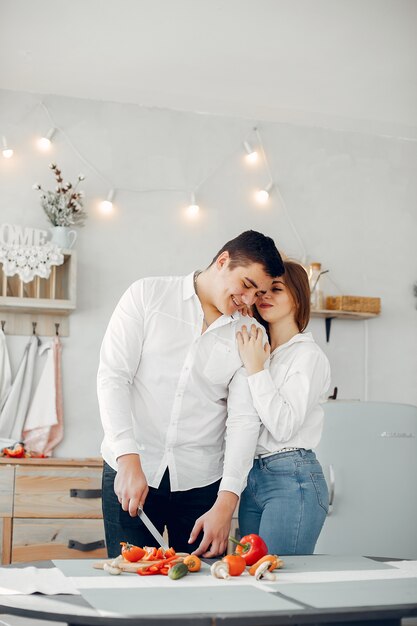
x,y
152,529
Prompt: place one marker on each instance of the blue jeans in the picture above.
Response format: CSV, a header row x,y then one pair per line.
x,y
177,510
285,502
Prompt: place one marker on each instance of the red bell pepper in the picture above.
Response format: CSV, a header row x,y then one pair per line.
x,y
250,547
16,452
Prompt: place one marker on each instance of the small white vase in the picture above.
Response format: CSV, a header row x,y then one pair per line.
x,y
63,236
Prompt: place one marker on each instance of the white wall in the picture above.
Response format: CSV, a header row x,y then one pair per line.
x,y
351,197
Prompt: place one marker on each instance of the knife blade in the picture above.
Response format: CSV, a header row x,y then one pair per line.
x,y
152,529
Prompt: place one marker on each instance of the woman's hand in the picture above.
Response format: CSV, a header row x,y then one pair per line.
x,y
251,349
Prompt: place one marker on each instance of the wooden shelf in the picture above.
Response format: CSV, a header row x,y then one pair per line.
x,y
345,315
329,315
43,301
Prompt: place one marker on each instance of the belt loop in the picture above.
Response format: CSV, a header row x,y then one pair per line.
x,y
302,452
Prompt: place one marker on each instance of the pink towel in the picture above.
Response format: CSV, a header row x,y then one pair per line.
x,y
56,432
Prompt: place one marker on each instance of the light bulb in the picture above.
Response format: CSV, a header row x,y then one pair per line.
x,y
106,206
251,156
262,195
7,152
44,143
193,209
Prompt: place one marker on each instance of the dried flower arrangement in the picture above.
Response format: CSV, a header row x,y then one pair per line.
x,y
64,206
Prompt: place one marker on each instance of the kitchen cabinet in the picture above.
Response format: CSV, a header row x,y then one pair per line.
x,y
50,509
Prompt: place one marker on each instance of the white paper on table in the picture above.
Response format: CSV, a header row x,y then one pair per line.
x,y
406,566
204,579
27,580
338,576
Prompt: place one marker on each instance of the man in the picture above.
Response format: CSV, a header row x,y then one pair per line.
x,y
180,428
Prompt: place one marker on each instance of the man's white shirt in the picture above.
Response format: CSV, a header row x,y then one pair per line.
x,y
175,396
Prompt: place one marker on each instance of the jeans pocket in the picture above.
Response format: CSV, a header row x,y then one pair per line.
x,y
322,491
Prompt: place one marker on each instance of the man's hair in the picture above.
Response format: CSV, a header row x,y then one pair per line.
x,y
253,247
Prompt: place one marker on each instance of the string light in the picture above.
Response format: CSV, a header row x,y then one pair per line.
x,y
193,209
7,152
106,206
262,195
44,143
252,156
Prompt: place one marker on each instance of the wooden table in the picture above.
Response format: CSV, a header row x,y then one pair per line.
x,y
129,600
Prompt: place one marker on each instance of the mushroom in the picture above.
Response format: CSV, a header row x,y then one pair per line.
x,y
262,572
220,569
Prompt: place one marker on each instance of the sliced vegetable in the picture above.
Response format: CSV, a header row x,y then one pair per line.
x,y
251,548
132,553
179,570
236,563
273,563
150,554
193,563
170,552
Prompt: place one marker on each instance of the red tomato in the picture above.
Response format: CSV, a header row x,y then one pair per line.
x,y
236,564
132,553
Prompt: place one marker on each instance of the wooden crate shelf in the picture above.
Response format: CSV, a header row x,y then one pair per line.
x,y
45,302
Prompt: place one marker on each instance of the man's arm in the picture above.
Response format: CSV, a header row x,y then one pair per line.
x,y
119,359
242,430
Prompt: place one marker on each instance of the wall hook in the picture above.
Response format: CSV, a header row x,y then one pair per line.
x,y
3,324
57,330
34,324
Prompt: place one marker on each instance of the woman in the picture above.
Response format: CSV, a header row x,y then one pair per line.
x,y
286,498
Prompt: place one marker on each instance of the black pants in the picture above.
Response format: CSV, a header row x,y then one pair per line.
x,y
177,510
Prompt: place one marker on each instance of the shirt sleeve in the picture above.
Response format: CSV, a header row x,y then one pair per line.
x,y
119,359
242,430
283,409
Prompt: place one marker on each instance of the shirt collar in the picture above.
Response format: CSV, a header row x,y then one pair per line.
x,y
298,338
188,286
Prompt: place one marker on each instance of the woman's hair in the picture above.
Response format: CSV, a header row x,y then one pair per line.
x,y
296,281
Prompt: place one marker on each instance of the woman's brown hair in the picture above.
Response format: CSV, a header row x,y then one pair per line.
x,y
296,281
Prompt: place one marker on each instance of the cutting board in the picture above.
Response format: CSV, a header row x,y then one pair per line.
x,y
127,566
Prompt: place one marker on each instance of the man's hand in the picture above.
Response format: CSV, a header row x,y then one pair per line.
x,y
215,525
130,484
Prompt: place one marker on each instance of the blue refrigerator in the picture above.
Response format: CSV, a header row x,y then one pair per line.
x,y
369,456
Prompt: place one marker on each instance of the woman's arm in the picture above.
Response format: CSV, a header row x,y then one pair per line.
x,y
283,405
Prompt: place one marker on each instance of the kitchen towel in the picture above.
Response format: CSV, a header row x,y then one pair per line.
x,y
41,415
14,411
5,370
27,580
